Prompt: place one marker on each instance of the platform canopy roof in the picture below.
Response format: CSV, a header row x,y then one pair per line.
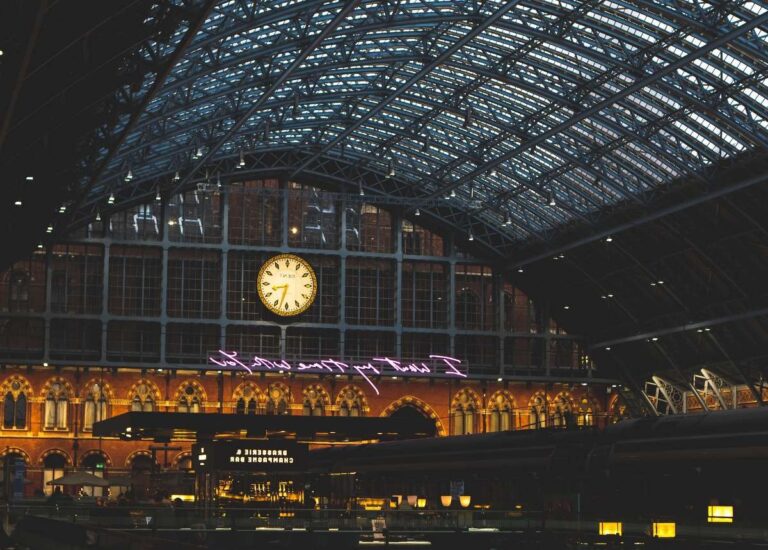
x,y
532,129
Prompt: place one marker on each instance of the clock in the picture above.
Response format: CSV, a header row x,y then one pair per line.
x,y
287,285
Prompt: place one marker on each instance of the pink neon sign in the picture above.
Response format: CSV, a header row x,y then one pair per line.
x,y
438,365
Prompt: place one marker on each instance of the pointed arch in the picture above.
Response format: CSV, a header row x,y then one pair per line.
x,y
278,399
351,401
248,398
57,394
588,408
465,409
538,410
15,392
502,413
423,407
143,396
315,400
562,408
96,395
190,397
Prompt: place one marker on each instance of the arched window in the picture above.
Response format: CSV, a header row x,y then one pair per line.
x,y
247,399
54,465
15,404
563,412
315,401
500,413
464,413
351,402
94,405
277,400
587,409
538,412
94,463
190,399
56,407
143,399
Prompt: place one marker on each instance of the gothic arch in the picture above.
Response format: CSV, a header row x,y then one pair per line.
x,y
465,412
588,408
278,399
248,398
105,387
55,451
151,389
425,408
348,397
562,408
50,383
315,400
17,384
199,390
466,396
501,411
538,410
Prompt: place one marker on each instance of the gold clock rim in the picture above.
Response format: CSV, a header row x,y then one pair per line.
x,y
272,308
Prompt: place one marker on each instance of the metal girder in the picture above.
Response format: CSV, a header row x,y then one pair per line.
x,y
603,104
756,393
665,397
654,215
154,89
487,22
710,387
347,9
700,325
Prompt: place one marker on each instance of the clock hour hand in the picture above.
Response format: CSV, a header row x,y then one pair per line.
x,y
285,291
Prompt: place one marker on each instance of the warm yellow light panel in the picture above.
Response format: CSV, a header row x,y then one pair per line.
x,y
720,514
609,528
664,530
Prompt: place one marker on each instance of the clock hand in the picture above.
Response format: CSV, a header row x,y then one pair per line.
x,y
285,291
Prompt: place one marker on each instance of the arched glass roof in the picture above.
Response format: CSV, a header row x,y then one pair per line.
x,y
523,116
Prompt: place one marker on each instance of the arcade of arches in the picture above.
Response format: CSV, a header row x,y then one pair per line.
x,y
47,420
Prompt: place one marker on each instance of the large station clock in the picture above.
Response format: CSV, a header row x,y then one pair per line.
x,y
287,285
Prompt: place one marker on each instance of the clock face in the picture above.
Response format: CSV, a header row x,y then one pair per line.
x,y
287,285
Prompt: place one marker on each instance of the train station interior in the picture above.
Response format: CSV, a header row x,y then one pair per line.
x,y
349,273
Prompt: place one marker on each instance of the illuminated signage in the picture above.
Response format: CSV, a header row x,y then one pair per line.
x,y
251,455
436,366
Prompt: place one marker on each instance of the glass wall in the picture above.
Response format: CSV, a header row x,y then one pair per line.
x,y
169,282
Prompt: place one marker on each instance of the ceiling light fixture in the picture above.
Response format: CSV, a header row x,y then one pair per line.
x,y
507,220
98,216
453,193
242,160
417,213
551,199
609,239
471,237
17,203
158,198
30,178
111,199
176,176
391,170
360,190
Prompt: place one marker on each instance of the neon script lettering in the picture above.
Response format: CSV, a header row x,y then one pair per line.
x,y
438,365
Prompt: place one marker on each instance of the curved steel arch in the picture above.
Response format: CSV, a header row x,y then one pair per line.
x,y
575,79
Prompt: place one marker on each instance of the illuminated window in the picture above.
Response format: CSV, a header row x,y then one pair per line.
x,y
464,413
610,528
720,514
190,399
664,530
94,406
56,407
143,400
15,402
